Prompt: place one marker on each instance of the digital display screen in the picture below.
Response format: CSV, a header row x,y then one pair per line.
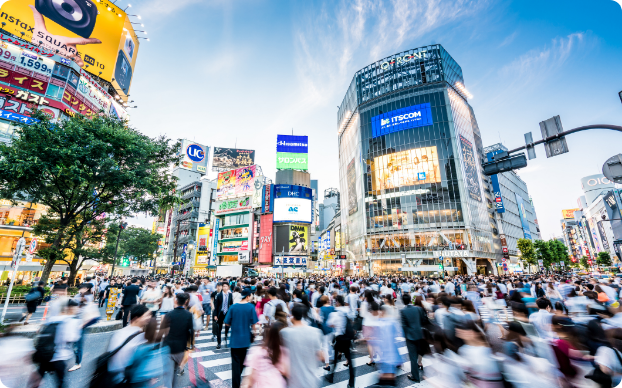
x,y
406,168
400,119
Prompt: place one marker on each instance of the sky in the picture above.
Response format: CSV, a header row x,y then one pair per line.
x,y
235,73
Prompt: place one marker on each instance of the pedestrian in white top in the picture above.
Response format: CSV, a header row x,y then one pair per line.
x,y
541,320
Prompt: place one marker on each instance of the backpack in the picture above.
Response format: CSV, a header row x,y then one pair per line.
x,y
147,364
45,345
32,296
101,377
349,330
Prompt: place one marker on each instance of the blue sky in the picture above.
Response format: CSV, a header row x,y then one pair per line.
x,y
239,72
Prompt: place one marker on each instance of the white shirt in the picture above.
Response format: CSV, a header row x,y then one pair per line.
x,y
450,288
337,320
542,320
67,332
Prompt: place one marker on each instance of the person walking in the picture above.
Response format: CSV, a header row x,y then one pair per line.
x,y
412,318
222,304
269,363
344,334
130,298
304,344
102,292
241,317
33,299
177,328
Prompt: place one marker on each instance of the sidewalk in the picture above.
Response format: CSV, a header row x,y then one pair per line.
x,y
100,327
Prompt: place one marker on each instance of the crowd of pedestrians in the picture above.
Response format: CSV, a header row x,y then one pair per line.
x,y
554,330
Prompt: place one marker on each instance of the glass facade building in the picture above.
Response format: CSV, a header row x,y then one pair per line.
x,y
410,155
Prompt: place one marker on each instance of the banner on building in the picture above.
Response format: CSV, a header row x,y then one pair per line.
x,y
351,177
298,239
265,239
470,169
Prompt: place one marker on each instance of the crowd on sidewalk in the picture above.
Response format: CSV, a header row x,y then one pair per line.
x,y
554,330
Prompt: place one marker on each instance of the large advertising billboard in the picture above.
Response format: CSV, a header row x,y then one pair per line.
x,y
97,35
291,161
568,214
194,155
523,216
298,239
236,182
292,144
351,178
232,158
265,239
401,119
292,203
406,168
470,169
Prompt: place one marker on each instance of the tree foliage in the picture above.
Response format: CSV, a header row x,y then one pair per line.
x,y
82,168
584,263
527,251
139,243
603,259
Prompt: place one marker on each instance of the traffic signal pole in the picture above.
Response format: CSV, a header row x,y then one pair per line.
x,y
578,129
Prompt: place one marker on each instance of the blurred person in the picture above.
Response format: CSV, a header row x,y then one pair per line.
x,y
222,304
167,301
89,315
102,292
241,317
33,299
412,319
217,290
148,361
325,309
304,344
480,368
541,320
344,335
130,298
177,329
269,363
151,297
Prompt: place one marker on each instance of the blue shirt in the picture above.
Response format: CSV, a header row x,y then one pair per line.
x,y
241,316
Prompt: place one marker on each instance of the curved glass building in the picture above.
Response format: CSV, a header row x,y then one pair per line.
x,y
410,155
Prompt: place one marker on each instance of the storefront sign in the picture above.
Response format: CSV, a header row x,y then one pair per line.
x,y
452,253
235,246
266,206
568,214
215,249
234,205
400,119
286,260
244,258
16,117
403,59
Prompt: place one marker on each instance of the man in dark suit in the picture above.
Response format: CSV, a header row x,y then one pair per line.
x,y
130,298
222,303
412,321
178,331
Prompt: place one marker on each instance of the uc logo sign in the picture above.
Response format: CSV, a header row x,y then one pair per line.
x,y
195,152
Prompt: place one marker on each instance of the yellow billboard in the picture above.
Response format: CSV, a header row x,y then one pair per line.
x,y
97,35
406,168
568,214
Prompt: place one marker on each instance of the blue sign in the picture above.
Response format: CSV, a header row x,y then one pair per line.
x,y
290,143
215,250
523,216
421,176
494,179
293,191
195,153
400,119
4,114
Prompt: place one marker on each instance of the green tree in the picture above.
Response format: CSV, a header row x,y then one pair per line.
x,y
603,259
139,243
559,252
584,263
543,252
527,251
84,167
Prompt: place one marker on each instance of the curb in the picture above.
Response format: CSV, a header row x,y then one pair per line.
x,y
30,331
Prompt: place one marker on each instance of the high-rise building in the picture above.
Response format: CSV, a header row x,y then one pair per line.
x,y
410,156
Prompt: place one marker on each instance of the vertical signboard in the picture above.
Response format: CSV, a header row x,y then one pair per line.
x,y
265,239
603,236
494,180
215,247
257,193
523,216
470,169
266,206
351,177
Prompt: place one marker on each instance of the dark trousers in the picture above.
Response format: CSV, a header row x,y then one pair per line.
x,y
101,298
343,345
414,361
220,324
238,355
58,367
126,313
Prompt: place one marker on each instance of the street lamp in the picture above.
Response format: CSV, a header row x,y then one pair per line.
x,y
190,248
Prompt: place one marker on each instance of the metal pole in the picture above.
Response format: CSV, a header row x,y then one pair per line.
x,y
115,251
17,257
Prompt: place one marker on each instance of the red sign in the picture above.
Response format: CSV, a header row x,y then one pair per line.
x,y
265,239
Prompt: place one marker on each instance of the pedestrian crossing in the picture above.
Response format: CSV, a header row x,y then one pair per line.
x,y
215,364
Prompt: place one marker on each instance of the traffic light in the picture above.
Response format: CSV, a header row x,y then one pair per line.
x,y
123,225
503,162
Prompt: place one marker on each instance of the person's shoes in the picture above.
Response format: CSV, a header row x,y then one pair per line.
x,y
22,318
346,364
218,346
181,372
326,368
421,367
75,367
411,378
25,323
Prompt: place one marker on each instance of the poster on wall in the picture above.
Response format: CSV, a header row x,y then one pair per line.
x,y
520,203
470,169
351,176
603,236
298,239
265,239
405,168
232,158
245,180
226,183
258,191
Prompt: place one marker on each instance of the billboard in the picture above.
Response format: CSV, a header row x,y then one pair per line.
x,y
236,182
400,119
258,191
267,203
351,177
406,168
203,239
194,156
298,239
494,180
603,235
292,144
292,161
292,203
523,216
470,169
233,205
265,239
232,158
568,214
97,35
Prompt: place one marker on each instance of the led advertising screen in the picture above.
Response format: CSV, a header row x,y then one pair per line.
x,y
292,203
298,239
400,119
194,156
292,161
470,169
406,168
97,35
351,177
292,144
231,158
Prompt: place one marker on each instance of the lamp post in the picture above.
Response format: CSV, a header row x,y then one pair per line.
x,y
190,247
